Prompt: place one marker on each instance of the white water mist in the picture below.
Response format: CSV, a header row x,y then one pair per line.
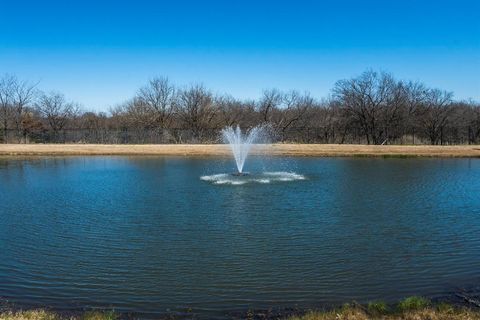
x,y
241,143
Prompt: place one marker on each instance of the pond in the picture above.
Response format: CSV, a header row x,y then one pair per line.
x,y
181,236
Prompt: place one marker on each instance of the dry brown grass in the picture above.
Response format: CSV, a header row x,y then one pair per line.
x,y
423,314
41,314
29,315
223,150
346,313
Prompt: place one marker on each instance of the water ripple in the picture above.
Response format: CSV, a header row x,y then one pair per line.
x,y
147,235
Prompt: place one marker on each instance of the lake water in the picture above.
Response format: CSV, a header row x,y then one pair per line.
x,y
154,236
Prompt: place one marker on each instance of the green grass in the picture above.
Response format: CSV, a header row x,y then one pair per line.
x,y
413,303
377,308
99,315
445,308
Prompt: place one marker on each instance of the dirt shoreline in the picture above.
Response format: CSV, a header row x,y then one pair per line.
x,y
303,150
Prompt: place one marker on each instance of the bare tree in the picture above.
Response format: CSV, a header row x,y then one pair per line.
x,y
232,111
92,120
196,109
15,97
137,114
269,103
372,108
474,122
7,91
57,111
373,100
320,122
294,108
31,124
434,114
416,93
159,97
23,95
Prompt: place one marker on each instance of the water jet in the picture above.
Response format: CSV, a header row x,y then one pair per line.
x,y
241,144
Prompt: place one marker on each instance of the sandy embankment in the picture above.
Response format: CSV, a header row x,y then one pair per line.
x,y
325,150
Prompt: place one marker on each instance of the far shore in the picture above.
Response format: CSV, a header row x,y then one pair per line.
x,y
302,150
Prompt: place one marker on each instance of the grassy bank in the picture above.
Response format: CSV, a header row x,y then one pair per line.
x,y
412,308
41,314
423,314
318,150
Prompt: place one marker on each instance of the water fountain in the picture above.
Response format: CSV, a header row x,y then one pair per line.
x,y
241,143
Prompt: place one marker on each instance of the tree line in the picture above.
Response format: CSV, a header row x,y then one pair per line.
x,y
372,108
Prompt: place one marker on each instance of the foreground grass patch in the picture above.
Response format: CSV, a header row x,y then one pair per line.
x,y
413,303
97,315
377,308
29,315
412,308
422,314
48,315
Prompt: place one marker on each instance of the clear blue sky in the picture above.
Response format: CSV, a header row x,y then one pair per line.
x,y
99,52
